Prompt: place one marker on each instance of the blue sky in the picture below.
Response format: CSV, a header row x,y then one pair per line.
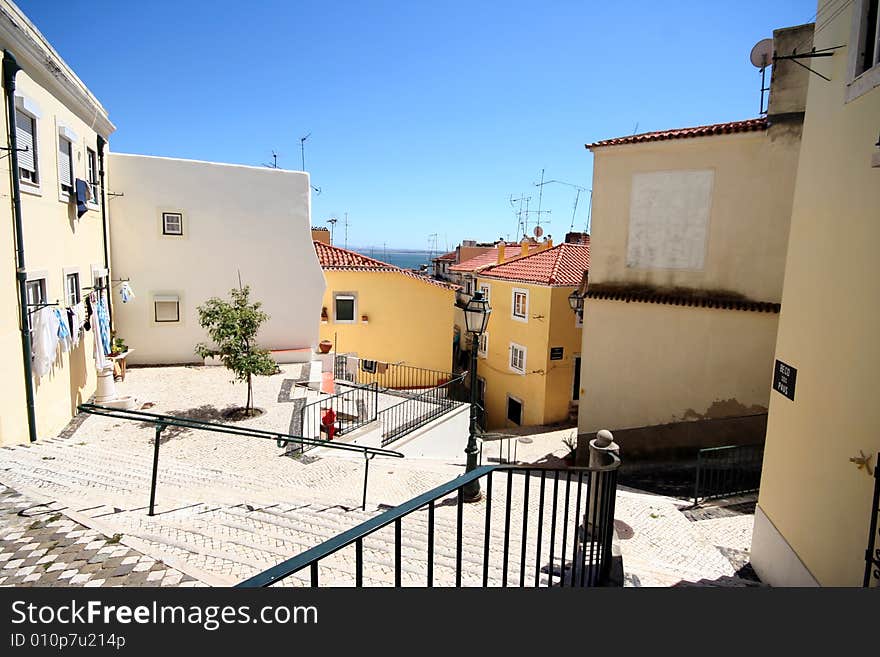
x,y
425,117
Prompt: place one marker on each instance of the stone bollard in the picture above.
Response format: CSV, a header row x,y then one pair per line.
x,y
601,448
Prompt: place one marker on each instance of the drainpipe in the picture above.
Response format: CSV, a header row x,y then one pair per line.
x,y
10,68
101,144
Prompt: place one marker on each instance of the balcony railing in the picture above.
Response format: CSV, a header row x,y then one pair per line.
x,y
353,408
534,527
388,377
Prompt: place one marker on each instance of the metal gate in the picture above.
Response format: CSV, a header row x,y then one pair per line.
x,y
872,554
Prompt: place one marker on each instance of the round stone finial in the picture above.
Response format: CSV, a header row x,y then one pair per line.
x,y
604,438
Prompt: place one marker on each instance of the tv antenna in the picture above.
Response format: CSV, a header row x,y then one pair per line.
x,y
577,195
346,230
332,221
761,57
302,152
274,164
522,215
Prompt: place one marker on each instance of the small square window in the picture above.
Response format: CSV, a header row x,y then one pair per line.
x,y
172,223
166,309
344,308
520,304
514,411
485,290
71,288
517,358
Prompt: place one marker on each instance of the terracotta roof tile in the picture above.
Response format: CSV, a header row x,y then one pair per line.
x,y
749,125
561,265
446,256
490,258
334,258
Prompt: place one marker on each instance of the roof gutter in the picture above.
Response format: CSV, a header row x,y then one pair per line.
x,y
10,69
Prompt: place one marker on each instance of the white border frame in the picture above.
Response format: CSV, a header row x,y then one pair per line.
x,y
354,315
513,314
525,352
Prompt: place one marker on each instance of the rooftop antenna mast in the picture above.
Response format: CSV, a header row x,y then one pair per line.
x,y
346,230
332,221
302,152
576,196
274,164
761,57
432,242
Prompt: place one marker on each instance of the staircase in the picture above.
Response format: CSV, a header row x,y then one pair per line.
x,y
224,526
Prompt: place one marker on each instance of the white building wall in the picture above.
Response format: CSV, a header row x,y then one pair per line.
x,y
236,219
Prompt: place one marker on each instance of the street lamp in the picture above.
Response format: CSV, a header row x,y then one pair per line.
x,y
577,296
476,317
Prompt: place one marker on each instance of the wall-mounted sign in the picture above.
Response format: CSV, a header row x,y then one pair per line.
x,y
556,353
784,378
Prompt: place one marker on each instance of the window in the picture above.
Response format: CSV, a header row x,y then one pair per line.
x,y
71,288
467,286
576,382
65,164
26,134
172,223
863,70
92,173
520,305
485,290
483,346
166,308
517,358
514,410
869,37
36,295
344,310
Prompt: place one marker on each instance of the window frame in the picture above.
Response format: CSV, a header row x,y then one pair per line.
x,y
860,81
522,406
486,289
510,361
65,194
483,345
92,176
165,216
30,304
72,300
354,307
30,184
525,293
166,298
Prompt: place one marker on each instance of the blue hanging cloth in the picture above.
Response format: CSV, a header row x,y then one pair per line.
x,y
82,194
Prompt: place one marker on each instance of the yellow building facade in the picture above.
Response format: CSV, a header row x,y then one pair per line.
x,y
380,312
64,128
529,356
814,507
689,235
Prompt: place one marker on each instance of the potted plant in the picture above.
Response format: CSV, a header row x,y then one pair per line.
x,y
365,319
325,346
324,316
118,346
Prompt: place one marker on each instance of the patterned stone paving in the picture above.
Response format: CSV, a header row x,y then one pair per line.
x,y
40,546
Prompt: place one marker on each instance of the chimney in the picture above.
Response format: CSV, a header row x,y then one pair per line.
x,y
788,80
524,246
549,241
321,235
500,247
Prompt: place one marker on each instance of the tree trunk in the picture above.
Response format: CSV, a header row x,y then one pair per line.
x,y
250,396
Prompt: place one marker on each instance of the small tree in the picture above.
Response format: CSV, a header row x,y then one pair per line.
x,y
232,326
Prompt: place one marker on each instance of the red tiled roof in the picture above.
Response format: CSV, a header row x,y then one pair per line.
x,y
561,265
749,125
446,256
490,258
334,258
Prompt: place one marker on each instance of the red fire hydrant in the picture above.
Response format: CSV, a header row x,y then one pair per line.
x,y
328,423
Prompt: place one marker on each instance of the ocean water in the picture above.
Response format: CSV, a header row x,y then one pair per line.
x,y
405,258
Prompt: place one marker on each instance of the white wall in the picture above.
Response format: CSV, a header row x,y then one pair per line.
x,y
253,220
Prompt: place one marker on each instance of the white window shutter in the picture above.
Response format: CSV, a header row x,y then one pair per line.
x,y
64,162
24,132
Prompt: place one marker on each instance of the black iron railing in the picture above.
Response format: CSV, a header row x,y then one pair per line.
x,y
534,527
352,408
419,409
727,471
162,422
387,376
872,554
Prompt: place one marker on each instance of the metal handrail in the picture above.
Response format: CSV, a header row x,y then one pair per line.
x,y
359,532
162,422
430,396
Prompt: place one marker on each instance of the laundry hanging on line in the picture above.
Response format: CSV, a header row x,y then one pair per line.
x,y
126,292
44,345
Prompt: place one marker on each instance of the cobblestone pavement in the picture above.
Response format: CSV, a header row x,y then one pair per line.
x,y
39,546
229,506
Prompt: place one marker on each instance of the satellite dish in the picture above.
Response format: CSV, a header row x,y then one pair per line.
x,y
762,54
538,231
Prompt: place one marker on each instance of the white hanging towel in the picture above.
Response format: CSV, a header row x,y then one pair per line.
x,y
45,340
101,360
